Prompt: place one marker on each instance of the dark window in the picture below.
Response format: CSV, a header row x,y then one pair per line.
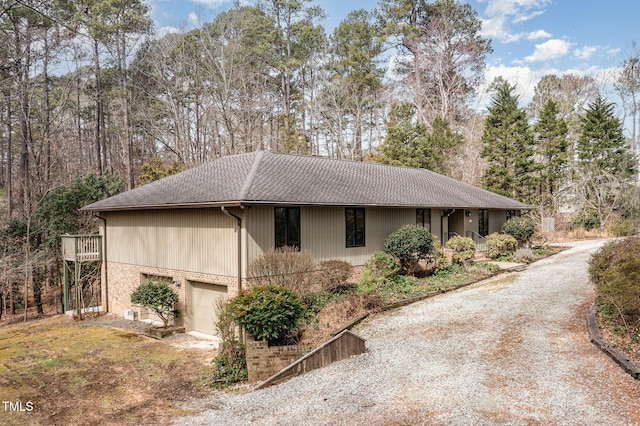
x,y
510,214
287,227
483,222
423,218
354,219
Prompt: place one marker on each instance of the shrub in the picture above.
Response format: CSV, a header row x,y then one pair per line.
x,y
439,259
521,228
500,245
285,267
615,271
268,312
333,273
624,228
465,249
381,266
587,219
159,297
409,245
230,365
523,255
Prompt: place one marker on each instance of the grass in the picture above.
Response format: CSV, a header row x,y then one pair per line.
x,y
76,374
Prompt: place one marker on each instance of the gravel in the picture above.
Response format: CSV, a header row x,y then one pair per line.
x,y
510,350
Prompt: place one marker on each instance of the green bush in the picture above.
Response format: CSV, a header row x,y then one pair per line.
x,y
587,219
268,312
409,245
440,260
521,228
381,267
500,245
465,249
624,228
615,271
159,297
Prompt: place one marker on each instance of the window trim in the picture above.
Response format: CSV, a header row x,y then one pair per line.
x,y
354,232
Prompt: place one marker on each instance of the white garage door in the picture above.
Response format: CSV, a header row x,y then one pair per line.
x,y
203,303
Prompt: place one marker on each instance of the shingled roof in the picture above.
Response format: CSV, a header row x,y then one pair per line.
x,y
269,178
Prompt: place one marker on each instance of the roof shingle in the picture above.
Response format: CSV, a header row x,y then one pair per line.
x,y
264,177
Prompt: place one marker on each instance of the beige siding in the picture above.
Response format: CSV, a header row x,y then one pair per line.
x,y
199,240
323,231
496,219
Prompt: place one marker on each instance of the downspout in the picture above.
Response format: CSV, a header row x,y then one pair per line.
x,y
239,244
104,259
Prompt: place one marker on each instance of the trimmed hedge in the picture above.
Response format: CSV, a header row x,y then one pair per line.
x,y
409,244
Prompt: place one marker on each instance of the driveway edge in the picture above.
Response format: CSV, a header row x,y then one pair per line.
x,y
596,338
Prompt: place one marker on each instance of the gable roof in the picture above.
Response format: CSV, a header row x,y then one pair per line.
x,y
269,178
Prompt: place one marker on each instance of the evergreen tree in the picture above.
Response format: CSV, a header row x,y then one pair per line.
x,y
508,146
412,144
553,147
602,144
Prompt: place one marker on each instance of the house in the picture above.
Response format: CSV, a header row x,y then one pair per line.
x,y
199,229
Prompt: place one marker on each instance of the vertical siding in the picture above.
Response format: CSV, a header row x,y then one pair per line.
x,y
323,231
496,219
436,223
198,240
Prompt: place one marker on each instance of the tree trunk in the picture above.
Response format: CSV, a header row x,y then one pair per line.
x,y
98,131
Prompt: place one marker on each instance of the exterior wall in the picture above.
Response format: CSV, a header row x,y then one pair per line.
x,y
323,231
436,223
263,361
471,222
195,240
124,278
496,219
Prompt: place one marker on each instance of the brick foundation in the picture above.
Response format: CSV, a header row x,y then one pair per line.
x,y
263,361
125,278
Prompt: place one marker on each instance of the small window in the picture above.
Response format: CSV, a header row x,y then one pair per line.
x,y
287,227
510,214
423,218
354,220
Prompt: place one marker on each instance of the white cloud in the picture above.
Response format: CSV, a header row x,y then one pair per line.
x,y
502,13
550,49
537,35
193,18
212,4
586,52
163,31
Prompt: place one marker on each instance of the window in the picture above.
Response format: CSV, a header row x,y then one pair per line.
x,y
354,220
510,214
423,218
287,227
483,222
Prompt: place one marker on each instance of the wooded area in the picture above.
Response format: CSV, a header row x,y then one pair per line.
x,y
92,102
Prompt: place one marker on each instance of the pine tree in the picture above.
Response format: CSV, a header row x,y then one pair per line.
x,y
602,145
553,147
508,146
412,144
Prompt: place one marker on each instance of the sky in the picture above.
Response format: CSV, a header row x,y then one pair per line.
x,y
530,38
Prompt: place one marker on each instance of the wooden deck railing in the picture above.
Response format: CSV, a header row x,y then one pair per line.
x,y
82,248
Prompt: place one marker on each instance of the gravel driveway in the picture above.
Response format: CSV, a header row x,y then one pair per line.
x,y
511,350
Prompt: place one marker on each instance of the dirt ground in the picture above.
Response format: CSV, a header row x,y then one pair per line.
x,y
58,371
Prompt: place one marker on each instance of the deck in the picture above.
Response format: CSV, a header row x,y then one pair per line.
x,y
82,248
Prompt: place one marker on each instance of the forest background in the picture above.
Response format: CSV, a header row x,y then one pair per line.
x,y
394,85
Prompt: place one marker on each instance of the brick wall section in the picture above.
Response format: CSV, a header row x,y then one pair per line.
x,y
125,278
263,361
